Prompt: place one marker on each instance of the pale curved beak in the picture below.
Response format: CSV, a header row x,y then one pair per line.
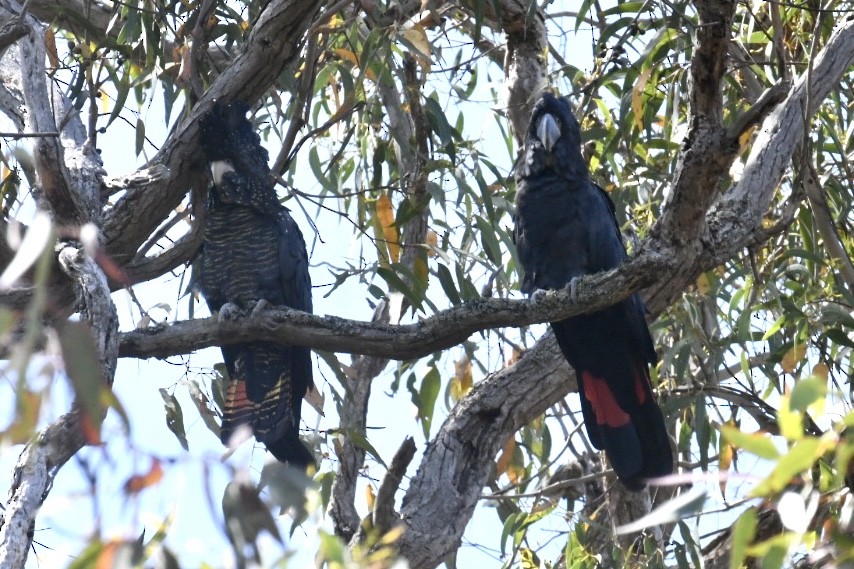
x,y
548,131
219,169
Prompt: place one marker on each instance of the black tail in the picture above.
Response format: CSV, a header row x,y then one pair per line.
x,y
619,408
290,449
634,437
266,401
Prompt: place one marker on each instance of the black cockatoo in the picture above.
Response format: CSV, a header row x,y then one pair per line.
x,y
254,254
565,228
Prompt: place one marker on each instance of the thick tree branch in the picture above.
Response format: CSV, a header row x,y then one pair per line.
x,y
524,56
781,132
707,152
68,204
273,44
457,463
38,464
438,332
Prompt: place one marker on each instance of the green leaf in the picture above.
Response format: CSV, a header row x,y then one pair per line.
x,y
806,392
140,135
798,460
246,515
759,444
361,441
396,283
743,532
427,395
510,525
200,400
286,487
438,121
773,551
490,242
83,368
447,282
775,327
174,417
122,86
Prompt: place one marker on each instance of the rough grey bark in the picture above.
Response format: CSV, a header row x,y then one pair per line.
x,y
68,173
458,461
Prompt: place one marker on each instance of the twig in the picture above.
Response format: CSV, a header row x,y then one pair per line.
x,y
17,135
551,488
384,514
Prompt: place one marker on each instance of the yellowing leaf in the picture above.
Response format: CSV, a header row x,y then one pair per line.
x,y
821,371
506,456
724,462
370,497
50,48
461,383
350,56
385,214
796,462
432,241
703,286
515,473
638,97
515,355
346,55
316,399
791,422
26,417
422,274
745,138
793,357
116,553
139,482
416,36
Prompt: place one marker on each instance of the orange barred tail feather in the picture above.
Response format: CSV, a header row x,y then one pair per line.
x,y
238,409
269,412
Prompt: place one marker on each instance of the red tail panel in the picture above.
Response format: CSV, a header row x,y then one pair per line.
x,y
641,385
235,398
605,406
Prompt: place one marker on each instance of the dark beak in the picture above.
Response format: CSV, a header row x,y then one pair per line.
x,y
548,131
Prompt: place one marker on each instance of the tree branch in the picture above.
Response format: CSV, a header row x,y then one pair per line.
x,y
706,152
40,460
457,463
384,515
440,331
823,218
68,204
781,131
274,43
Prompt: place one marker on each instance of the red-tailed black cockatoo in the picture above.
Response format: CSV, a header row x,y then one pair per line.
x,y
566,228
253,255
